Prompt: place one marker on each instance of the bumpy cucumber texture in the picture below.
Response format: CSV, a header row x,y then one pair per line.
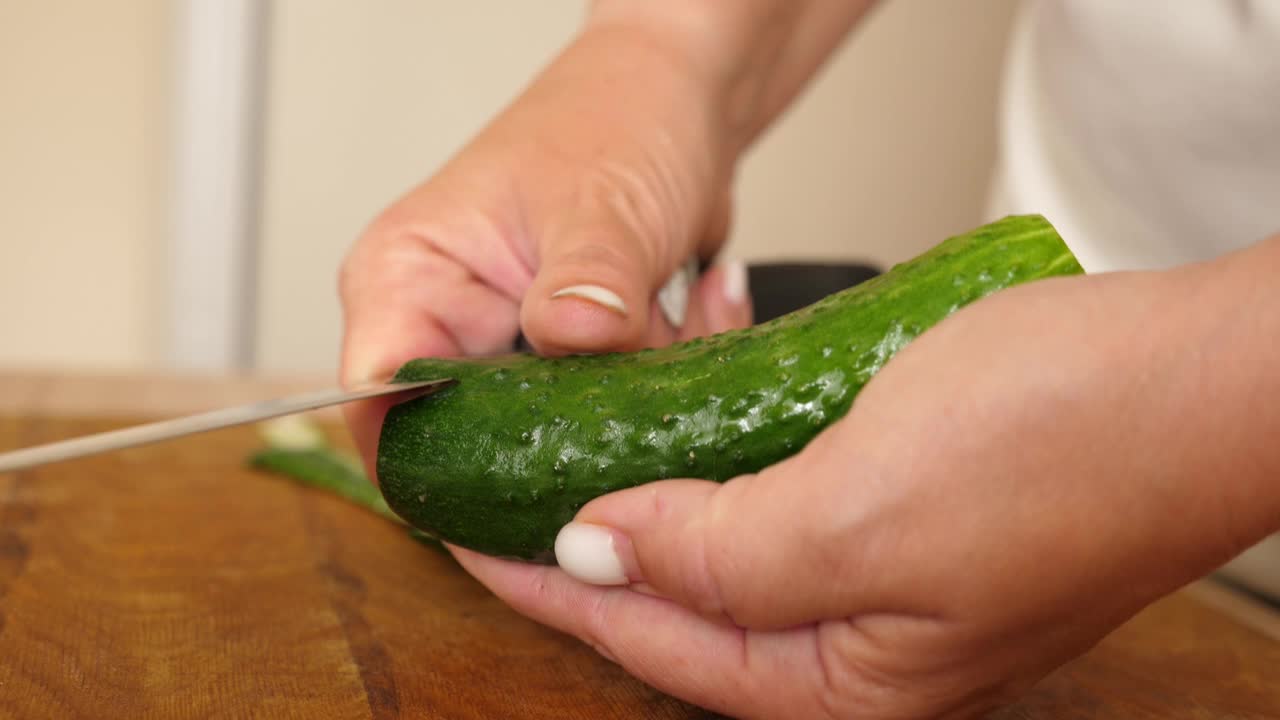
x,y
502,460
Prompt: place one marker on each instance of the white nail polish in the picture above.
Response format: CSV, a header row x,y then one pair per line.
x,y
673,298
596,294
586,552
735,281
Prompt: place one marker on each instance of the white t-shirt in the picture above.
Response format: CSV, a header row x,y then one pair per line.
x,y
1146,131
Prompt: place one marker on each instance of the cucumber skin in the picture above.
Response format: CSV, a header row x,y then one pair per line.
x,y
325,469
499,462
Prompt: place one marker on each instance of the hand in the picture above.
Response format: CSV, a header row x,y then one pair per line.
x,y
566,214
562,219
1012,486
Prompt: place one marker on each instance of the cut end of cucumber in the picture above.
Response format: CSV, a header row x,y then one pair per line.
x,y
292,432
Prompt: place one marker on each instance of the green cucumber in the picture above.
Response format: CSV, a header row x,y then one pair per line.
x,y
500,461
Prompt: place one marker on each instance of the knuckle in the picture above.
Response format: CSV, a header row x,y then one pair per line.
x,y
597,623
711,582
646,197
860,674
835,694
601,251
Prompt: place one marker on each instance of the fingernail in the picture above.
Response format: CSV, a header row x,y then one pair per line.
x,y
673,298
588,552
735,281
596,294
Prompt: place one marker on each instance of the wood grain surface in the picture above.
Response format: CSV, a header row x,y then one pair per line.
x,y
171,582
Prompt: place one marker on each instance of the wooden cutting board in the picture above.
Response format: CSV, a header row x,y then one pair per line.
x,y
170,581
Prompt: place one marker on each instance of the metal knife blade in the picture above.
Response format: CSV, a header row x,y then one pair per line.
x,y
217,419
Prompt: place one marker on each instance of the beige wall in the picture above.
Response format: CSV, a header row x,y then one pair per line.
x,y
364,101
83,103
891,150
888,152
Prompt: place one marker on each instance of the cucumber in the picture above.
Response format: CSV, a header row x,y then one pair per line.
x,y
324,469
500,461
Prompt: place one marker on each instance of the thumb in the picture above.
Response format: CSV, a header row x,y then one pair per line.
x,y
596,289
724,549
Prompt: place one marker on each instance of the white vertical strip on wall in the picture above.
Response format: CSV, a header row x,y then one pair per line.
x,y
219,74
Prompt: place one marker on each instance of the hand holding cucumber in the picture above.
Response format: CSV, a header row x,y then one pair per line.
x,y
1010,488
562,220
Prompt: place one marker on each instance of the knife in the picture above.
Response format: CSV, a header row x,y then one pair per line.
x,y
217,419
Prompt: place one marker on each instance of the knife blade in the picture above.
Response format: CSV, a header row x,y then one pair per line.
x,y
203,422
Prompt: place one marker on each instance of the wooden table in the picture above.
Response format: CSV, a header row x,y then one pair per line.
x,y
170,581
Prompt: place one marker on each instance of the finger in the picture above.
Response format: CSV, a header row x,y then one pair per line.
x,y
673,313
673,297
704,295
722,298
403,297
717,302
725,549
714,665
631,233
402,300
593,290
660,332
